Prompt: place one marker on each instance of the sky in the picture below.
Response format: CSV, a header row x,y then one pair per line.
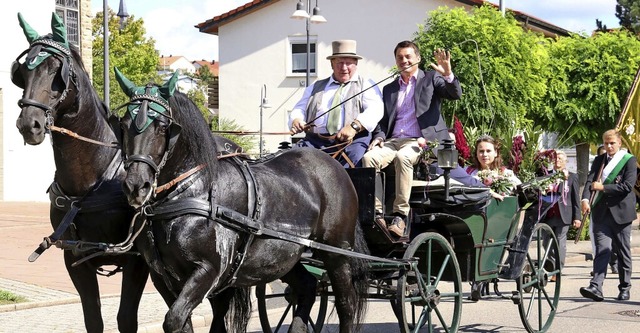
x,y
171,23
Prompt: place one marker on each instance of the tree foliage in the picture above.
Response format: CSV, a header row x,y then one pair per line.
x,y
513,78
628,13
500,65
129,50
590,81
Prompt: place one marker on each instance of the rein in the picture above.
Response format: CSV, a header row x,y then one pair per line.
x,y
82,138
179,178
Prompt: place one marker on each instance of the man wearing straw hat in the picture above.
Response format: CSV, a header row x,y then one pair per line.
x,y
339,112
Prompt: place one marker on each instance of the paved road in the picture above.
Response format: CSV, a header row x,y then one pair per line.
x,y
494,314
54,305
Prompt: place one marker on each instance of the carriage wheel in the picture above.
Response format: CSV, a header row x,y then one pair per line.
x,y
285,299
537,296
430,296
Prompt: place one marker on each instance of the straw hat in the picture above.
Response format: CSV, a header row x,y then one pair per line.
x,y
344,49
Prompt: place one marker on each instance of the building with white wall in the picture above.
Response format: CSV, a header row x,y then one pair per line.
x,y
251,60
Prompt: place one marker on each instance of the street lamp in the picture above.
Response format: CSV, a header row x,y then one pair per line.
x,y
264,104
300,14
122,13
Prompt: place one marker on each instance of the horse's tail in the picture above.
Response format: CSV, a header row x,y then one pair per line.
x,y
239,313
360,277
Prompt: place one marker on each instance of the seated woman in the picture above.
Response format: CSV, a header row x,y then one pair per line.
x,y
489,169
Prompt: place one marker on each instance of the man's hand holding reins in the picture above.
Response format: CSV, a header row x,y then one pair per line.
x,y
347,133
298,126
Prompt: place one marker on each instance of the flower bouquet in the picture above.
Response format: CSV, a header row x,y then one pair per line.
x,y
497,180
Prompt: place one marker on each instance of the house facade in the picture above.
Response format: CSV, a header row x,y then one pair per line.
x,y
271,63
26,171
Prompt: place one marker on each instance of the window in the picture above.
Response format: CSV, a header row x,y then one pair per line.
x,y
298,49
68,11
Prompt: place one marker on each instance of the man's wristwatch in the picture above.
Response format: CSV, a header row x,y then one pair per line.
x,y
355,126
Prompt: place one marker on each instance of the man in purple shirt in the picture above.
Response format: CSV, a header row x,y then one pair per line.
x,y
411,111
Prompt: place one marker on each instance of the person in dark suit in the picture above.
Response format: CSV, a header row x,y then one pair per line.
x,y
566,209
611,180
613,260
411,111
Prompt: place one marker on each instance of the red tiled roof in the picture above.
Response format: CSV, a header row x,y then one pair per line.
x,y
168,61
211,26
213,66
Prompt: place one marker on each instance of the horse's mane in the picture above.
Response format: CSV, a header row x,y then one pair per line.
x,y
195,135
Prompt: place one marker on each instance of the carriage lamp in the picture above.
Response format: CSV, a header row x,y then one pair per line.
x,y
447,160
264,104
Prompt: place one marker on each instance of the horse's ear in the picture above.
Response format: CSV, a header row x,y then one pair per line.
x,y
127,86
31,34
169,88
58,29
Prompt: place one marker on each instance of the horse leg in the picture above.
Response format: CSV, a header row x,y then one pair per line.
x,y
85,281
303,284
193,292
347,291
168,296
220,306
134,278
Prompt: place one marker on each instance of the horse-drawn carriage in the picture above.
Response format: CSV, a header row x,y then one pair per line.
x,y
219,225
468,236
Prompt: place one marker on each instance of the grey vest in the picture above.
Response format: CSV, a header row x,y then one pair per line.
x,y
351,108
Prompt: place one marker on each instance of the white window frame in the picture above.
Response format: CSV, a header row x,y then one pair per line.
x,y
295,40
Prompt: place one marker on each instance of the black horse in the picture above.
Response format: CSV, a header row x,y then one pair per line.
x,y
222,225
88,208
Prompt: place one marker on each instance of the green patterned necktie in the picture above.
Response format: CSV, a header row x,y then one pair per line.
x,y
334,114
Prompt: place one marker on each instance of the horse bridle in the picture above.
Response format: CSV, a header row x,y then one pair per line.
x,y
67,72
143,100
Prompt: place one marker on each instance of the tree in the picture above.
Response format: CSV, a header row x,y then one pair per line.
x,y
500,66
129,50
628,13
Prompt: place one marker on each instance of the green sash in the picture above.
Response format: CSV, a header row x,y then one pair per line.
x,y
612,175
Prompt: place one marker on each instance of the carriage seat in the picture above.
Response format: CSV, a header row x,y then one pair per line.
x,y
431,195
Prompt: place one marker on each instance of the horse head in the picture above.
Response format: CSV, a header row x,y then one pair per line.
x,y
45,76
149,134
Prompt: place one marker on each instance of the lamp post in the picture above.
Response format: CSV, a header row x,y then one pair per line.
x,y
300,14
122,13
264,104
447,160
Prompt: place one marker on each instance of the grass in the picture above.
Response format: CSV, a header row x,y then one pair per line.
x,y
9,298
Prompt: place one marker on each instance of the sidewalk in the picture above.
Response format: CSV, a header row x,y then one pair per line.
x,y
54,305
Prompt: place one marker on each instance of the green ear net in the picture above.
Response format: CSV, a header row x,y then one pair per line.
x,y
59,31
169,88
57,27
31,34
127,86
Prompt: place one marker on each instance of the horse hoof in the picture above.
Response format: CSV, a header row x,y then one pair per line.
x,y
298,326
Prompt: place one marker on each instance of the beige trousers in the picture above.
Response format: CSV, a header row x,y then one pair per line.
x,y
404,153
